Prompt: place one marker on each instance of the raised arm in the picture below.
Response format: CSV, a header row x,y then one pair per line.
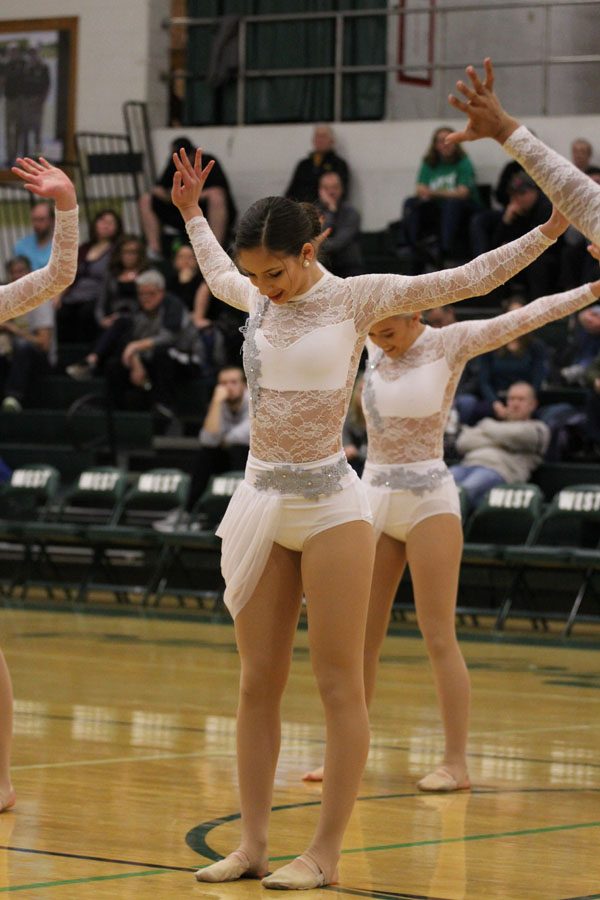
x,y
219,271
51,183
571,191
464,340
379,296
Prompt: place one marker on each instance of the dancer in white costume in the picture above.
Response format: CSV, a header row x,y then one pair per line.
x,y
47,181
575,194
300,520
410,382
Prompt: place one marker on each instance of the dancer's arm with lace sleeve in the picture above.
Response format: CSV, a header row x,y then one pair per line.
x,y
379,296
464,340
571,191
46,181
219,271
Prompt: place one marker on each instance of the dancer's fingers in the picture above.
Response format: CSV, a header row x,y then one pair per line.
x,y
489,74
475,80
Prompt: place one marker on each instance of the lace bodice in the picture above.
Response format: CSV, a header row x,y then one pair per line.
x,y
301,357
407,400
31,290
571,191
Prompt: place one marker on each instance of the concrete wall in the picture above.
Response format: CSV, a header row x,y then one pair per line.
x,y
384,156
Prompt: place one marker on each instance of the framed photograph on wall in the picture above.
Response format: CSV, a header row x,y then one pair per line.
x,y
37,88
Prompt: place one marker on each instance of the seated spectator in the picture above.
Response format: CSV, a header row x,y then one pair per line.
x,y
38,245
446,196
592,406
576,265
485,221
224,439
524,359
527,208
499,452
127,352
76,307
27,345
581,154
341,248
354,434
304,185
118,296
583,346
159,215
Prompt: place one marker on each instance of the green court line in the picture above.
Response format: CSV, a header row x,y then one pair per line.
x,y
458,840
49,884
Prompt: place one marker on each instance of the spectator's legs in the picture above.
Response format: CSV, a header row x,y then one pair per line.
x,y
28,362
476,481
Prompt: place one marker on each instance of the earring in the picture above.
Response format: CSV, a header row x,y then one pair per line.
x,y
305,263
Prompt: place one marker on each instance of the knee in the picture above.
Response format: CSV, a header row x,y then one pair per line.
x,y
340,687
438,643
259,688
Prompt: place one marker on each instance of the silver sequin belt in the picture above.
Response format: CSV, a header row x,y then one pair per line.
x,y
310,483
403,478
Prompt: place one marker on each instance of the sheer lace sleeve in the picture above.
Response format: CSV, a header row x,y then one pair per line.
x,y
31,290
379,296
571,191
464,340
219,270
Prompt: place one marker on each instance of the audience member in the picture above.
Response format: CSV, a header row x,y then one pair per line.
x,y
583,346
342,247
498,452
304,185
528,207
27,345
158,213
581,154
76,307
524,359
354,434
446,197
592,405
37,245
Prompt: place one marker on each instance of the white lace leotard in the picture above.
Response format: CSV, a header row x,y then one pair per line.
x,y
301,358
572,191
31,290
406,401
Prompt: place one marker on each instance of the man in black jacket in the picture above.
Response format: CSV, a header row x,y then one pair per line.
x,y
304,185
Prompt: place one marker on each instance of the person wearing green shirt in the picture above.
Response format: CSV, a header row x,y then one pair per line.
x,y
446,196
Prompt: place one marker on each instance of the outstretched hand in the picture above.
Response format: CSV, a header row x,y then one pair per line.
x,y
486,116
188,183
47,181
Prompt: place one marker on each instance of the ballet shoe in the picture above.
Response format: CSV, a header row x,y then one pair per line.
x,y
314,775
9,802
299,878
442,781
232,868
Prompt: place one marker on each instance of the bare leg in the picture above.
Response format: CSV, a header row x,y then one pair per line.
x,y
337,567
435,590
264,631
150,224
7,794
390,559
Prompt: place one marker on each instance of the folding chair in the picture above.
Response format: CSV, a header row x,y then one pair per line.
x,y
566,538
506,515
27,498
128,546
190,560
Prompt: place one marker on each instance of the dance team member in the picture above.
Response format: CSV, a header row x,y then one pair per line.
x,y
300,520
410,381
17,298
573,192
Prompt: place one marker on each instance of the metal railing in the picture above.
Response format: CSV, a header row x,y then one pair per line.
x,y
546,61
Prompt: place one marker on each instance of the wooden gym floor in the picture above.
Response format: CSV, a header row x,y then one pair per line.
x,y
124,765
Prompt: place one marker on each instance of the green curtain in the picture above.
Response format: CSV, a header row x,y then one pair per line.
x,y
284,45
